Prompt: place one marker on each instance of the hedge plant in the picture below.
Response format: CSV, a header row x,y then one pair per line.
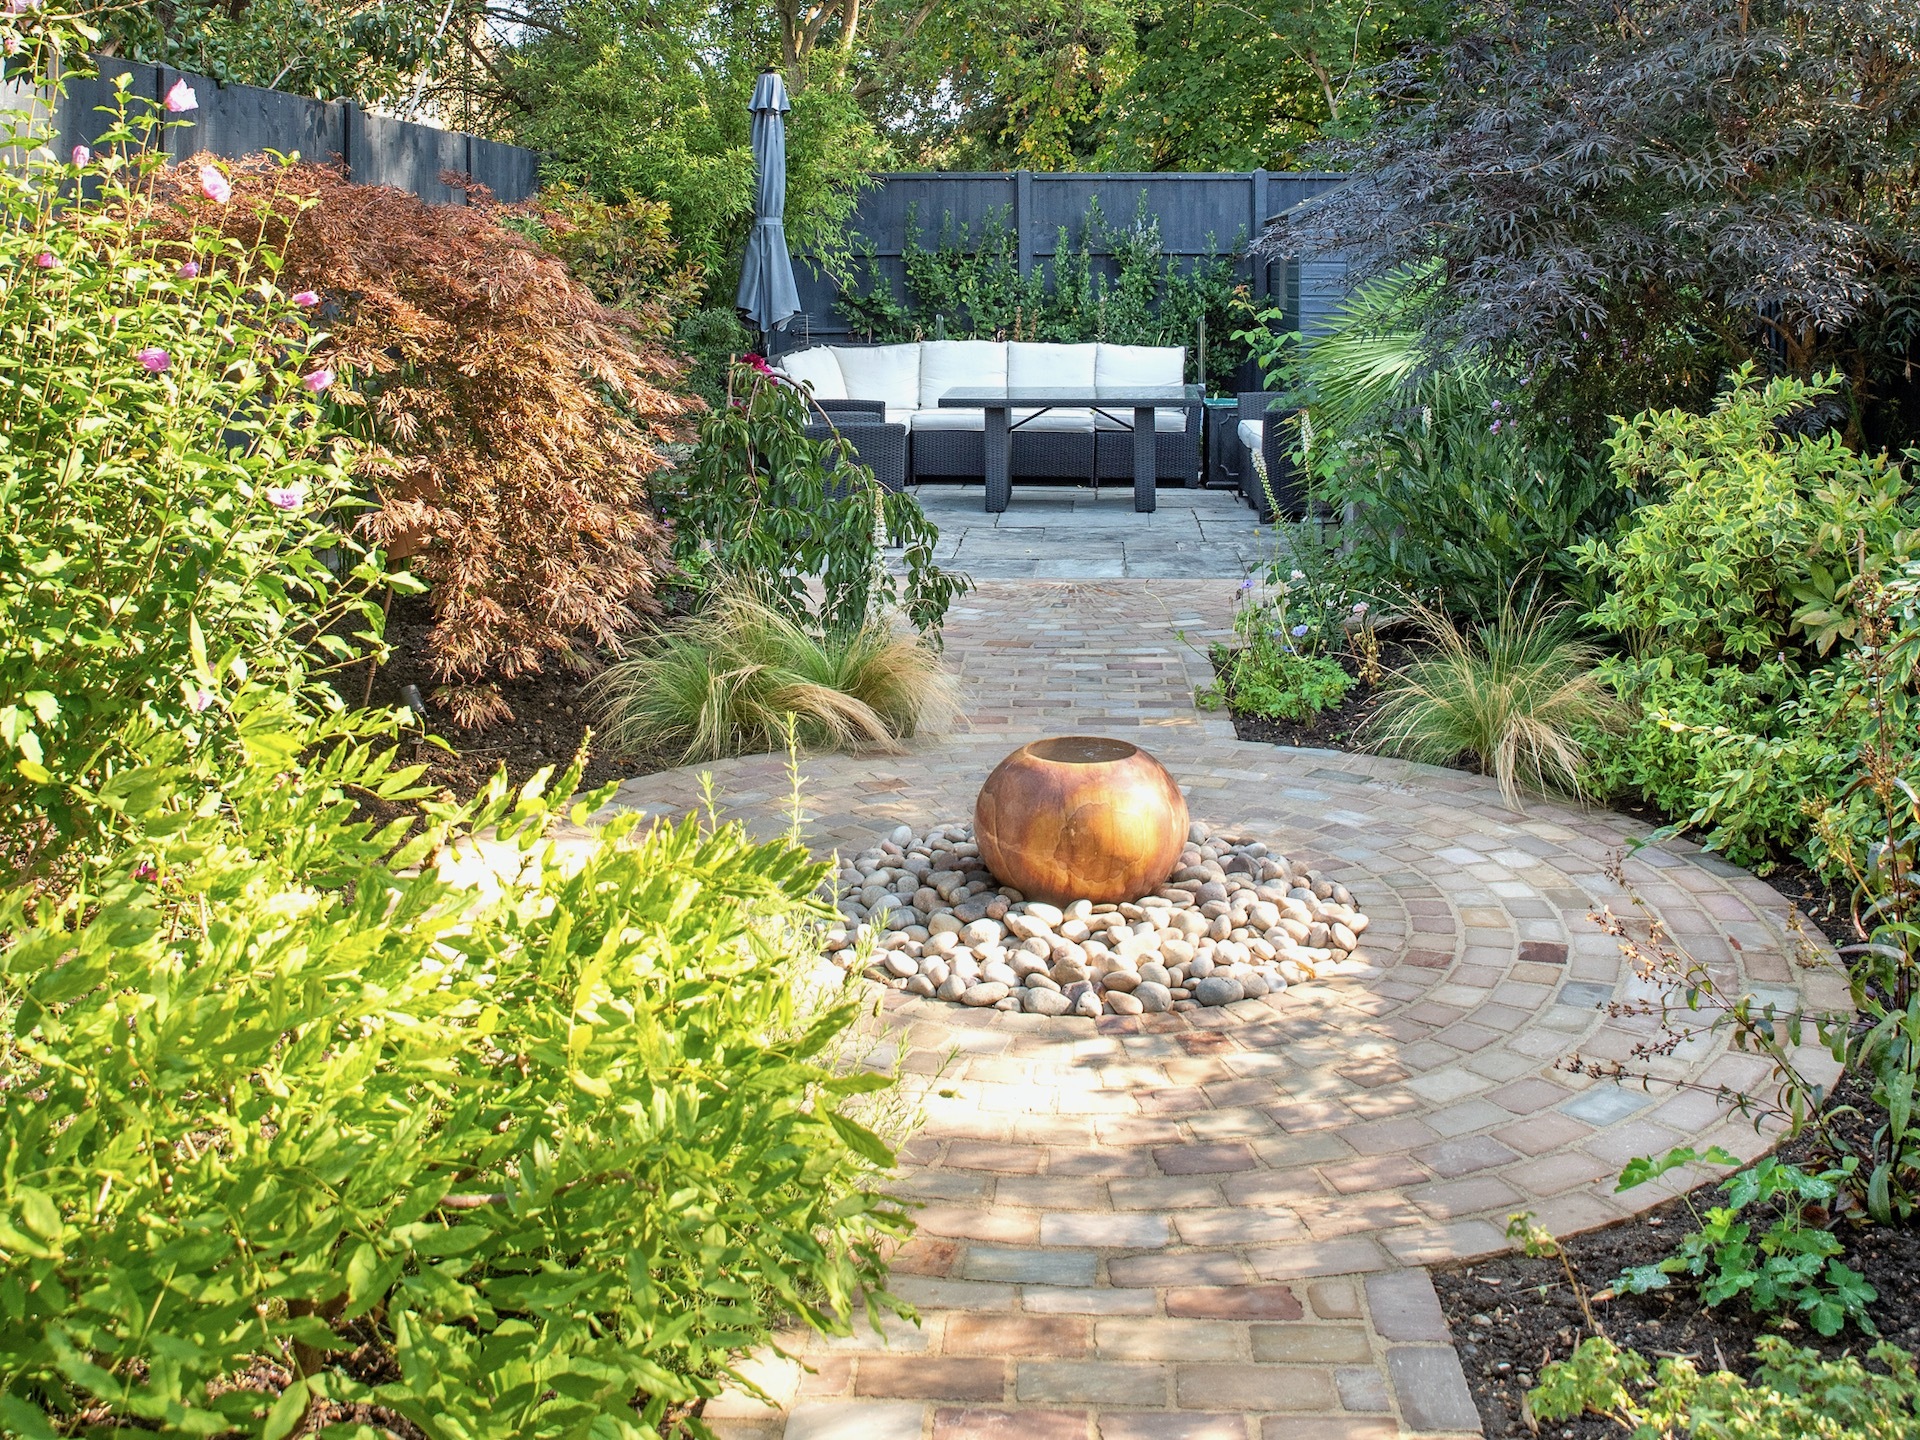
x,y
173,491
317,1123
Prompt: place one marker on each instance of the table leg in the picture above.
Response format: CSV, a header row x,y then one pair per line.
x,y
998,477
1144,499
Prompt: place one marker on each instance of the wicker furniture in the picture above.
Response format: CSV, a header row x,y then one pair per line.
x,y
908,382
877,443
1263,433
1139,407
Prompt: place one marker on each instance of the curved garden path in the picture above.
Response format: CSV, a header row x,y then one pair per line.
x,y
1215,1226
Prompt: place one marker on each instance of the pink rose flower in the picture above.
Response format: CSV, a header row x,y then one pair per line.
x,y
45,260
11,43
81,155
202,699
155,359
181,98
286,497
306,299
319,380
214,185
189,270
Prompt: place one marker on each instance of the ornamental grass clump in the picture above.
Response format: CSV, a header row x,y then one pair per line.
x,y
511,422
1514,694
732,679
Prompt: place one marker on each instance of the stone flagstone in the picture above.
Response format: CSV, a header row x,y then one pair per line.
x,y
1133,1229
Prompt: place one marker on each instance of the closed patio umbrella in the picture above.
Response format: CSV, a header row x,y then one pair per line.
x,y
767,294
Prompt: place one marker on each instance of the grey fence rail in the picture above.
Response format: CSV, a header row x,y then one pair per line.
x,y
1198,214
236,120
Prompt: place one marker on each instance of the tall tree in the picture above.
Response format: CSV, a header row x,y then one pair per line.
x,y
385,52
1628,200
1225,86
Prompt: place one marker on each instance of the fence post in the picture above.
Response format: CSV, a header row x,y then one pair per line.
x,y
1261,269
1022,211
353,138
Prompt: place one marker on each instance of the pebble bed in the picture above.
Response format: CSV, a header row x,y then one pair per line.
x,y
1236,921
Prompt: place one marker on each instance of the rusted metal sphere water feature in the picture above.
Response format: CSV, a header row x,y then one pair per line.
x,y
1080,817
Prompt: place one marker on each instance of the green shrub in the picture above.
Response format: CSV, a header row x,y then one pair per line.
x,y
1787,1266
712,340
1440,490
1515,694
1795,1394
1284,686
1460,505
1751,530
168,476
1739,755
315,1125
730,680
761,504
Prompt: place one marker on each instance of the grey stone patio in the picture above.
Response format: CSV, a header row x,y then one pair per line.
x,y
1064,532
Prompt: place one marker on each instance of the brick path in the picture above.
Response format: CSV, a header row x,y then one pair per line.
x,y
1143,1228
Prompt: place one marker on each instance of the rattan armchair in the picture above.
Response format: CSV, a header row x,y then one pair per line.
x,y
877,443
1284,486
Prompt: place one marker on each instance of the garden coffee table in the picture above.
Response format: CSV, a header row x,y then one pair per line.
x,y
998,404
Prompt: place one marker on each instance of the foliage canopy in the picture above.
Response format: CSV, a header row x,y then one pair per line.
x,y
1625,205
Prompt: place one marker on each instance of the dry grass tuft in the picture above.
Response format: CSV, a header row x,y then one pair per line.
x,y
1513,694
727,682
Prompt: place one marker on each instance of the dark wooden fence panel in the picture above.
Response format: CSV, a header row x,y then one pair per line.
x,y
383,151
236,120
1198,214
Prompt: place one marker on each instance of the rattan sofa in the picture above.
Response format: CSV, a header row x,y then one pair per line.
x,y
908,381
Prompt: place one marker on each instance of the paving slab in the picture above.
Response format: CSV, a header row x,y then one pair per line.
x,y
1199,1231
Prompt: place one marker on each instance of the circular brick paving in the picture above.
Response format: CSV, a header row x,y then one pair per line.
x,y
1211,1224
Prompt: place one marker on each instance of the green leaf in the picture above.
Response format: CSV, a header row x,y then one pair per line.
x,y
287,1412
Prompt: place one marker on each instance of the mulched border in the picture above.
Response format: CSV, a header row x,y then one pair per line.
x,y
1509,1314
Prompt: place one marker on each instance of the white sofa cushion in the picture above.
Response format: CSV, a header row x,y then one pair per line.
x,y
1069,366
956,418
950,364
890,373
1074,421
1140,365
1116,419
817,370
1253,434
945,418
901,415
1031,364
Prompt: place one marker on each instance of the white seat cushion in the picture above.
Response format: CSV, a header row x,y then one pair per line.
x,y
890,373
817,370
1140,365
1079,421
955,418
951,364
1117,419
1252,433
902,415
1030,364
944,418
